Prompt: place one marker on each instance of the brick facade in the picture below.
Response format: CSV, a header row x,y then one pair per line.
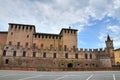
x,y
23,46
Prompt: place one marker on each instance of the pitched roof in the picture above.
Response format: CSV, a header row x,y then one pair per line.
x,y
108,38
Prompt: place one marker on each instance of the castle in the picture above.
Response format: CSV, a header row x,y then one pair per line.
x,y
22,46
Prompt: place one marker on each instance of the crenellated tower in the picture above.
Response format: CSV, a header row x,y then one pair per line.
x,y
20,35
68,39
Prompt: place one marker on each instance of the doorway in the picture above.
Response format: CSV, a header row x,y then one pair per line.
x,y
70,65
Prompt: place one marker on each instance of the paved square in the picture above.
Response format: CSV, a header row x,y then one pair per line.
x,y
30,75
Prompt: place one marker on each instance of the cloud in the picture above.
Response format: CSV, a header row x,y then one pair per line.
x,y
115,29
52,15
99,8
116,37
114,34
102,36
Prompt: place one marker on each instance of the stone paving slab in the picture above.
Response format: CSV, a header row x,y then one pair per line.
x,y
81,75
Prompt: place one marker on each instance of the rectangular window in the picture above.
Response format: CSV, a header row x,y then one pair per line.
x,y
44,55
86,56
65,47
54,55
90,56
6,61
24,53
10,43
4,53
14,53
27,36
34,45
26,44
11,33
18,44
51,46
74,48
66,55
41,45
76,56
34,54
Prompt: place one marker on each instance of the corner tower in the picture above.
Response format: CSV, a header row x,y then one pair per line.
x,y
20,35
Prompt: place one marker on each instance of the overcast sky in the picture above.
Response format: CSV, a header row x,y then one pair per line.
x,y
94,19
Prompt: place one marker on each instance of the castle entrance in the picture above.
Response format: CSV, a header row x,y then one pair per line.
x,y
70,65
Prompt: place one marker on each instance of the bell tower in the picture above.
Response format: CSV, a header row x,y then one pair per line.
x,y
110,49
109,43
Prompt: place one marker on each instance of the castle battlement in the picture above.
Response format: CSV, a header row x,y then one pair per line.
x,y
46,36
95,50
92,50
68,31
22,27
22,46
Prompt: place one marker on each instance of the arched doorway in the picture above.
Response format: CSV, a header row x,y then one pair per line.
x,y
70,65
